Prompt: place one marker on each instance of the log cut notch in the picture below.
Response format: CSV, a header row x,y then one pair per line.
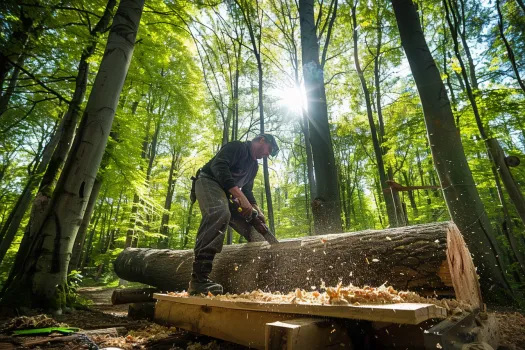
x,y
430,259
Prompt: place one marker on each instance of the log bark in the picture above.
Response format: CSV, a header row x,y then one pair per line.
x,y
428,259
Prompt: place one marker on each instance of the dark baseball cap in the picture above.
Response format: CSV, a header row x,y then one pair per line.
x,y
271,140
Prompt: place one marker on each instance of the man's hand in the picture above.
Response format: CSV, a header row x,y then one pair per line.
x,y
246,207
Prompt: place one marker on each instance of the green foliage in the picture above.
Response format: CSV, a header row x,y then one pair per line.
x,y
179,104
73,298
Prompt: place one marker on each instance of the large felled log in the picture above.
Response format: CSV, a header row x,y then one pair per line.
x,y
431,259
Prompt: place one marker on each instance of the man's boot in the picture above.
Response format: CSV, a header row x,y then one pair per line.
x,y
200,283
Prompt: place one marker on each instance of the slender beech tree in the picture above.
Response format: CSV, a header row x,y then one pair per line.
x,y
456,22
461,195
326,207
508,48
252,14
42,281
393,218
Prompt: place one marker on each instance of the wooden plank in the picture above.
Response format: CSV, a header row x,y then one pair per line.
x,y
306,333
243,327
404,313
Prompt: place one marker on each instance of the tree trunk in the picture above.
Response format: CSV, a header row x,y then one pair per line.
x,y
393,219
6,96
184,241
42,282
326,205
426,259
76,254
513,190
12,224
73,112
461,195
510,52
17,43
164,241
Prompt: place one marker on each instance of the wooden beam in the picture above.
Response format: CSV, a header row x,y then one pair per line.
x,y
306,333
234,325
403,313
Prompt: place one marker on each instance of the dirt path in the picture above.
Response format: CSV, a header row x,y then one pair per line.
x,y
101,298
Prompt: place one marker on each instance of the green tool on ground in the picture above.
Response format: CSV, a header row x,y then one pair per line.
x,y
47,331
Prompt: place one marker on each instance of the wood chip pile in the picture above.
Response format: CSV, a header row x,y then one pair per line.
x,y
339,295
30,322
512,330
135,339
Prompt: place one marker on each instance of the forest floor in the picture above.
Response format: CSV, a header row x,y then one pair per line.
x,y
140,334
143,334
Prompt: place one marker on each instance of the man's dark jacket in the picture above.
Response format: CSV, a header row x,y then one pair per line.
x,y
234,166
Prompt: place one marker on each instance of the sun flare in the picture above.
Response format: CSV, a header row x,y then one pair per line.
x,y
293,99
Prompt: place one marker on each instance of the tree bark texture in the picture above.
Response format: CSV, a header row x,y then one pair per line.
x,y
42,282
461,195
427,259
326,205
498,156
72,115
76,255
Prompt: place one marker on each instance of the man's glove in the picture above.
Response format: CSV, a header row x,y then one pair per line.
x,y
244,208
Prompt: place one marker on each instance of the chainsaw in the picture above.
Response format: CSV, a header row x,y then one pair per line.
x,y
255,220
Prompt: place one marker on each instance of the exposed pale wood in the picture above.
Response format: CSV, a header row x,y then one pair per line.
x,y
404,313
462,270
132,295
412,257
238,326
306,333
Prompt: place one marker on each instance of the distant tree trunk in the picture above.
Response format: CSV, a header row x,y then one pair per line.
x,y
76,254
12,224
492,147
131,239
42,282
461,195
510,52
410,194
89,246
6,96
13,49
326,206
393,219
164,241
184,241
309,158
256,45
235,123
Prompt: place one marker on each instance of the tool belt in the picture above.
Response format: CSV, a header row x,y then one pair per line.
x,y
193,196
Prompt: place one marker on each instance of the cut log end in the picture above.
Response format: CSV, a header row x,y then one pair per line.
x,y
461,269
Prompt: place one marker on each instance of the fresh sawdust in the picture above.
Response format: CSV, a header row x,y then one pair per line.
x,y
30,322
339,295
512,329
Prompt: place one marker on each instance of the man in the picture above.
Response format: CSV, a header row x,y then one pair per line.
x,y
230,172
